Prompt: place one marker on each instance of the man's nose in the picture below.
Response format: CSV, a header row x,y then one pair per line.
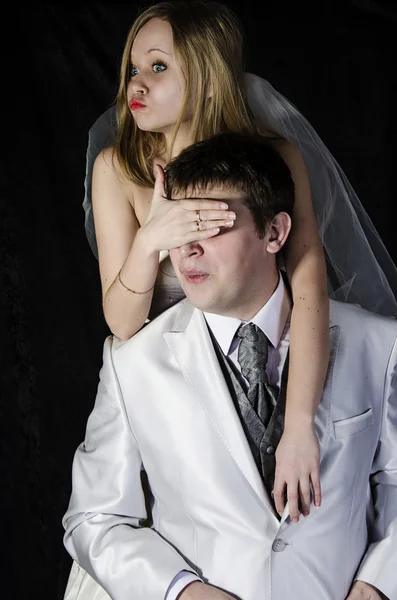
x,y
191,249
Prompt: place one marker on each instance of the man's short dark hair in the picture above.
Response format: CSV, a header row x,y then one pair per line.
x,y
249,163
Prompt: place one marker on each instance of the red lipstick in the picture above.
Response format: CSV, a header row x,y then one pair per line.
x,y
136,105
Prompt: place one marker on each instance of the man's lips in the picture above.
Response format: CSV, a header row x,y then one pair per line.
x,y
135,105
194,276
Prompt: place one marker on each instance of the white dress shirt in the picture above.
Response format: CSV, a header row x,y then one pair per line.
x,y
273,320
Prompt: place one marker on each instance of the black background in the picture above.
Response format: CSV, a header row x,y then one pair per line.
x,y
335,61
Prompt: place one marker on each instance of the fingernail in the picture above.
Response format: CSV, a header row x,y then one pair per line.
x,y
306,513
295,520
223,205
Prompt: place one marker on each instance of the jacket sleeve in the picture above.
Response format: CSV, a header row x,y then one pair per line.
x,y
103,523
379,565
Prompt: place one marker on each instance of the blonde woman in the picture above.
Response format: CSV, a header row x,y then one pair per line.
x,y
182,81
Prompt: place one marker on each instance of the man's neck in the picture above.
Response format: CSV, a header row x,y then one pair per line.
x,y
271,318
248,311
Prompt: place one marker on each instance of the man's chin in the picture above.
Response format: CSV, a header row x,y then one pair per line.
x,y
201,303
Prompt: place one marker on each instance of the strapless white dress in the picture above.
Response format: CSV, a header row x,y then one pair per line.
x,y
167,290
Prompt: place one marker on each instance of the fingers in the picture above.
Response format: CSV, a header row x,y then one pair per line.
x,y
298,472
206,225
304,496
203,205
159,181
298,496
211,215
279,496
196,236
204,220
293,501
316,487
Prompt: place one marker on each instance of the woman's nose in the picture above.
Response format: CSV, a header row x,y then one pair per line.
x,y
139,85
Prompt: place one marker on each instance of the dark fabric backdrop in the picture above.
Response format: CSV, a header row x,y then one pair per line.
x,y
335,62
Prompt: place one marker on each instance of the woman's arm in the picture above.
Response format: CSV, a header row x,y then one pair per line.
x,y
309,344
307,274
120,247
129,254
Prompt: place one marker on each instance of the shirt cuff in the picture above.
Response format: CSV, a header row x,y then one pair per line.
x,y
178,584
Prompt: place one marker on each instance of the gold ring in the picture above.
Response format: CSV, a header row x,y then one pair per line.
x,y
198,216
198,225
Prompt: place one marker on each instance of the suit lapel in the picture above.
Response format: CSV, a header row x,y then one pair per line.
x,y
191,345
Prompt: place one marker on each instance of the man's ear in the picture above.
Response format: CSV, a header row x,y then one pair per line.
x,y
278,231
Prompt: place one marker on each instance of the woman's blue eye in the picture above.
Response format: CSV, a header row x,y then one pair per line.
x,y
159,67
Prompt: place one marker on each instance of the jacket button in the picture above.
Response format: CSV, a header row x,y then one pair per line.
x,y
270,450
279,545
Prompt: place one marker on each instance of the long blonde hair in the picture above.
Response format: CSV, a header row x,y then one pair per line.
x,y
208,43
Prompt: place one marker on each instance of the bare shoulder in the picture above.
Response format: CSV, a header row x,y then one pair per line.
x,y
107,162
107,172
288,151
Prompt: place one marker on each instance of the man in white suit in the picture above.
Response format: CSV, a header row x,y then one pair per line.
x,y
185,405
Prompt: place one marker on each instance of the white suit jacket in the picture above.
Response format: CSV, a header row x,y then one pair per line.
x,y
163,407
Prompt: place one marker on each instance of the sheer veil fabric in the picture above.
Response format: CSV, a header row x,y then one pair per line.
x,y
360,270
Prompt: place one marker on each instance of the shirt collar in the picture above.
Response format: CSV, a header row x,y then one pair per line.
x,y
271,318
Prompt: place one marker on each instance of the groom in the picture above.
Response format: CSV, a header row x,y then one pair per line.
x,y
195,403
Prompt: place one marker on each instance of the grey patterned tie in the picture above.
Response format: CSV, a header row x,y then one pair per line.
x,y
252,357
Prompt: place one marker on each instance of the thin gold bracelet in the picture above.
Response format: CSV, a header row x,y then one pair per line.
x,y
132,291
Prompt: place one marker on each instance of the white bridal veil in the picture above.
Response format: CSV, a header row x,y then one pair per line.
x,y
360,269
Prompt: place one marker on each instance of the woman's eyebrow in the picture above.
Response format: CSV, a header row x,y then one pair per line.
x,y
157,50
